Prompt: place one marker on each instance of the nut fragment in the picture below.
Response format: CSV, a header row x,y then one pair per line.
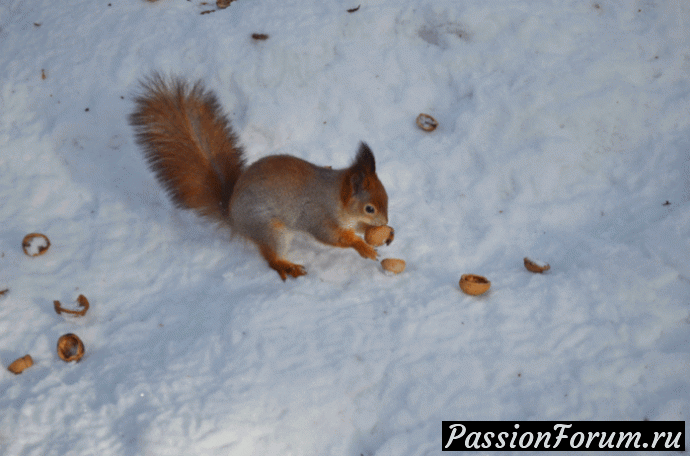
x,y
378,235
474,284
536,266
70,348
426,122
18,366
393,265
35,244
222,4
81,300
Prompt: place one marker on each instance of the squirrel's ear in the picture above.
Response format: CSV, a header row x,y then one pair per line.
x,y
364,160
353,181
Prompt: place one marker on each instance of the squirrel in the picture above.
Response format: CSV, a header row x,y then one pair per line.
x,y
194,153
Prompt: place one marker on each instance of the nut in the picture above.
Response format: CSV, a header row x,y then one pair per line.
x,y
474,284
393,265
35,244
70,348
18,366
378,235
426,122
536,266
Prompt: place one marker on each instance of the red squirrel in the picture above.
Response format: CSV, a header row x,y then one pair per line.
x,y
192,150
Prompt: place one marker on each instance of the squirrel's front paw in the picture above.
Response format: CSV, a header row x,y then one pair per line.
x,y
366,250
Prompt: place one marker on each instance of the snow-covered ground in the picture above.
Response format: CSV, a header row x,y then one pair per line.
x,y
564,135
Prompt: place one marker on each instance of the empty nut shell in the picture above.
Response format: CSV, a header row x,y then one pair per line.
x,y
70,348
378,235
536,266
474,284
393,265
426,122
40,246
18,366
83,303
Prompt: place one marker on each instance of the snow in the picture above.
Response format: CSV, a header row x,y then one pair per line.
x,y
564,136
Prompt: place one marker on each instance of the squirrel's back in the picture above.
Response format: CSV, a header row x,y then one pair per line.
x,y
286,188
188,143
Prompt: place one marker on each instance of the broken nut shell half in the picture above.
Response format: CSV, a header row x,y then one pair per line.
x,y
426,122
81,300
536,266
473,284
28,244
70,348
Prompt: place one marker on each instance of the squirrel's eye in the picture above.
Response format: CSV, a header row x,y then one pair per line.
x,y
370,209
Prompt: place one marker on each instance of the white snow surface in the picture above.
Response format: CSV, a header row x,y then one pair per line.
x,y
564,136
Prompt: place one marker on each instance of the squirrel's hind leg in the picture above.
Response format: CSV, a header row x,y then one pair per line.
x,y
282,266
274,250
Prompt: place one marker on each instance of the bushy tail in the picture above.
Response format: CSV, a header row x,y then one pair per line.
x,y
188,143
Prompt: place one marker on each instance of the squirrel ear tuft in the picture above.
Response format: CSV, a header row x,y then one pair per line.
x,y
364,161
355,177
